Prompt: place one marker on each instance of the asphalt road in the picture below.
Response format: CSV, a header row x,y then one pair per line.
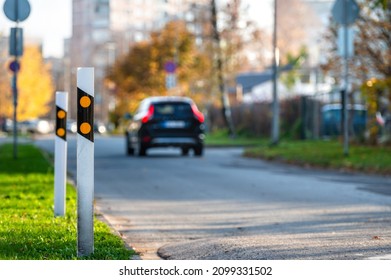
x,y
223,206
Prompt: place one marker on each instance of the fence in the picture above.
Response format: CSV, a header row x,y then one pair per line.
x,y
301,117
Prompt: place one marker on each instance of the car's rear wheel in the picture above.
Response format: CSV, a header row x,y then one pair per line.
x,y
129,151
185,151
142,150
198,150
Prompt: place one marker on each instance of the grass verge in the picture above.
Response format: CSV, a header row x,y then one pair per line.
x,y
222,139
28,228
327,154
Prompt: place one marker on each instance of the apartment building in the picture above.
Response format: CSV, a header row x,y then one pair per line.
x,y
103,30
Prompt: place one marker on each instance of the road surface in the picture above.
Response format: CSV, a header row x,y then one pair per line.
x,y
223,206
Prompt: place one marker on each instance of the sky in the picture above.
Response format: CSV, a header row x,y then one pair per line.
x,y
51,21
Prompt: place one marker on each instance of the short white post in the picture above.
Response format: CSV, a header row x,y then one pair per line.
x,y
85,161
60,153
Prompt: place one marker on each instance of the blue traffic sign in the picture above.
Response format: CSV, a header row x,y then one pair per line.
x,y
170,67
345,12
14,66
17,10
16,41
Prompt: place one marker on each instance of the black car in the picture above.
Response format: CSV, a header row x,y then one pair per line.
x,y
166,122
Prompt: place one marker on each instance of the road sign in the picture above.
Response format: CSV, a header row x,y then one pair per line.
x,y
14,66
345,17
16,41
170,67
345,50
17,10
345,12
171,81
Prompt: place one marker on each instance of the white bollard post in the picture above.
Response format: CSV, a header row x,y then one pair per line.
x,y
85,161
60,153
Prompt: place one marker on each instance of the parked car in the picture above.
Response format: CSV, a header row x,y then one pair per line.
x,y
166,122
332,115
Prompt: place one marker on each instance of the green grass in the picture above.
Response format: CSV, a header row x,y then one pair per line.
x,y
328,154
28,228
222,139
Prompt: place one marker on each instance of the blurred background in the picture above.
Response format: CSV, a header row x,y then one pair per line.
x,y
223,56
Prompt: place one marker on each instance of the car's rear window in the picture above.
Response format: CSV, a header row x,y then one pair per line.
x,y
170,109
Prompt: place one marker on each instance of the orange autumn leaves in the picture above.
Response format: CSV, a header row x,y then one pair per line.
x,y
35,87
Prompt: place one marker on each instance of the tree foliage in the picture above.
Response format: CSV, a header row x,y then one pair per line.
x,y
379,4
5,92
236,28
373,90
246,46
35,84
35,87
373,60
295,62
296,23
141,72
370,68
241,35
373,45
372,57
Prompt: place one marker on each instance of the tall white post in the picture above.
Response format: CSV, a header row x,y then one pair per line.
x,y
85,161
60,153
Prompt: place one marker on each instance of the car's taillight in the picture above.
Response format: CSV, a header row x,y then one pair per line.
x,y
149,115
146,139
199,116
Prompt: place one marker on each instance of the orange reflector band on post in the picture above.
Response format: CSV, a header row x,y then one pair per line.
x,y
61,123
61,132
85,113
61,114
85,101
85,128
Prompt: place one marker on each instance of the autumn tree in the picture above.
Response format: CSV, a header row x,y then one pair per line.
x,y
372,58
235,27
370,67
296,24
35,87
5,92
231,31
373,45
141,72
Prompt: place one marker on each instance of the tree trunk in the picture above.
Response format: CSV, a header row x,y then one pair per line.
x,y
226,110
